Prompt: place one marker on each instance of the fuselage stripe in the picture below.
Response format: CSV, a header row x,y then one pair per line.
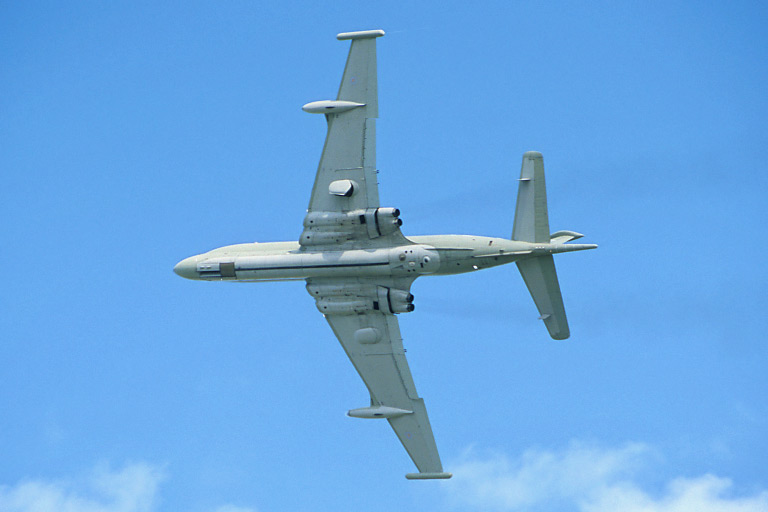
x,y
305,267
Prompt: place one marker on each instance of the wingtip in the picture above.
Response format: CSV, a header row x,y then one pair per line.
x,y
362,34
428,476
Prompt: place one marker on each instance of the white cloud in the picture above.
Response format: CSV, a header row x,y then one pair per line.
x,y
707,493
134,488
131,489
587,478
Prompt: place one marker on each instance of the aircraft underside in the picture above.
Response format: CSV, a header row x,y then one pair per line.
x,y
359,267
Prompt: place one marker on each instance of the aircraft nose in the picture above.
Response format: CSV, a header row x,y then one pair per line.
x,y
187,268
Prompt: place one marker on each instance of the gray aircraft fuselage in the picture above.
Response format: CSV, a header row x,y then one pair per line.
x,y
428,255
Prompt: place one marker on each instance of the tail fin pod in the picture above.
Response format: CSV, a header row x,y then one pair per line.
x,y
532,225
531,217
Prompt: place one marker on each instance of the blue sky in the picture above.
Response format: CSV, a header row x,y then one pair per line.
x,y
133,135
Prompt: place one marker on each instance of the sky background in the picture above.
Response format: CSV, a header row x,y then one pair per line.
x,y
133,135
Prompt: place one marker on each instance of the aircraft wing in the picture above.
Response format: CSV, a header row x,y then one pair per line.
x,y
346,187
372,341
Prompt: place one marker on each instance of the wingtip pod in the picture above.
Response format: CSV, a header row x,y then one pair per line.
x,y
363,34
428,476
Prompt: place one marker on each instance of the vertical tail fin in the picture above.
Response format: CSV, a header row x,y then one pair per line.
x,y
532,225
531,217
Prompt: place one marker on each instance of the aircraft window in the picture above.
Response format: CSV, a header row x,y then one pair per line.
x,y
402,257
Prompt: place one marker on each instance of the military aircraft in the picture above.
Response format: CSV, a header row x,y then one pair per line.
x,y
359,267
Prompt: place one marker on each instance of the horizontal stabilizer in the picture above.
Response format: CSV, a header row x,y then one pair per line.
x,y
541,279
531,217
